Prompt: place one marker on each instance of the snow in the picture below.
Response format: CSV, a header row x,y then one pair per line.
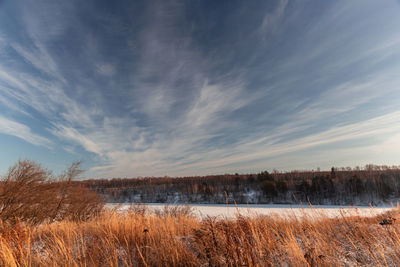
x,y
276,210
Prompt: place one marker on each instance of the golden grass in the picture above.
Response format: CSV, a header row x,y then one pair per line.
x,y
176,239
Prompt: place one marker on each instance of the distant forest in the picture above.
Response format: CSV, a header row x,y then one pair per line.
x,y
371,184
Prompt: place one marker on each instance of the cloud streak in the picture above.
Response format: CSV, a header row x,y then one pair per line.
x,y
174,88
13,128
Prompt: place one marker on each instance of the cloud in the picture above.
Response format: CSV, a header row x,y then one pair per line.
x,y
271,20
213,101
23,132
158,93
106,69
192,135
269,147
38,57
73,135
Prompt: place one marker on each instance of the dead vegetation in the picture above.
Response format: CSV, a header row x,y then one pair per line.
x,y
47,221
139,238
30,194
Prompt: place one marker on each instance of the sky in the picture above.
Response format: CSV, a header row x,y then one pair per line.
x,y
182,88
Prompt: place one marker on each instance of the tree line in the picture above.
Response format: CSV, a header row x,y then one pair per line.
x,y
371,184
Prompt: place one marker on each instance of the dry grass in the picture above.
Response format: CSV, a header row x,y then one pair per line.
x,y
137,238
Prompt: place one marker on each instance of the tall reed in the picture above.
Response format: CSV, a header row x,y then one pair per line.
x,y
136,238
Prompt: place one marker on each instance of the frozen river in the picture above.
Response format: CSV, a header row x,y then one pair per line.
x,y
282,210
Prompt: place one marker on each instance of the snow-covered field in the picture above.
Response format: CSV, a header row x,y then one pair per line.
x,y
282,210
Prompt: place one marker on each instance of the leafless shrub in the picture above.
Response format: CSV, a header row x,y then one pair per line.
x,y
175,211
138,209
30,194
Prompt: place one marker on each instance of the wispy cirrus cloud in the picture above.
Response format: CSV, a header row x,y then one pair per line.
x,y
180,89
13,128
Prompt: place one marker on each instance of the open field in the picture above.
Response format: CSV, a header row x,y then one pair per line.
x,y
174,237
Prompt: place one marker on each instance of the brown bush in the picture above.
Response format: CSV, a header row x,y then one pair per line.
x,y
30,194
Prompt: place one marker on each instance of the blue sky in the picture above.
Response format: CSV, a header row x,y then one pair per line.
x,y
154,88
